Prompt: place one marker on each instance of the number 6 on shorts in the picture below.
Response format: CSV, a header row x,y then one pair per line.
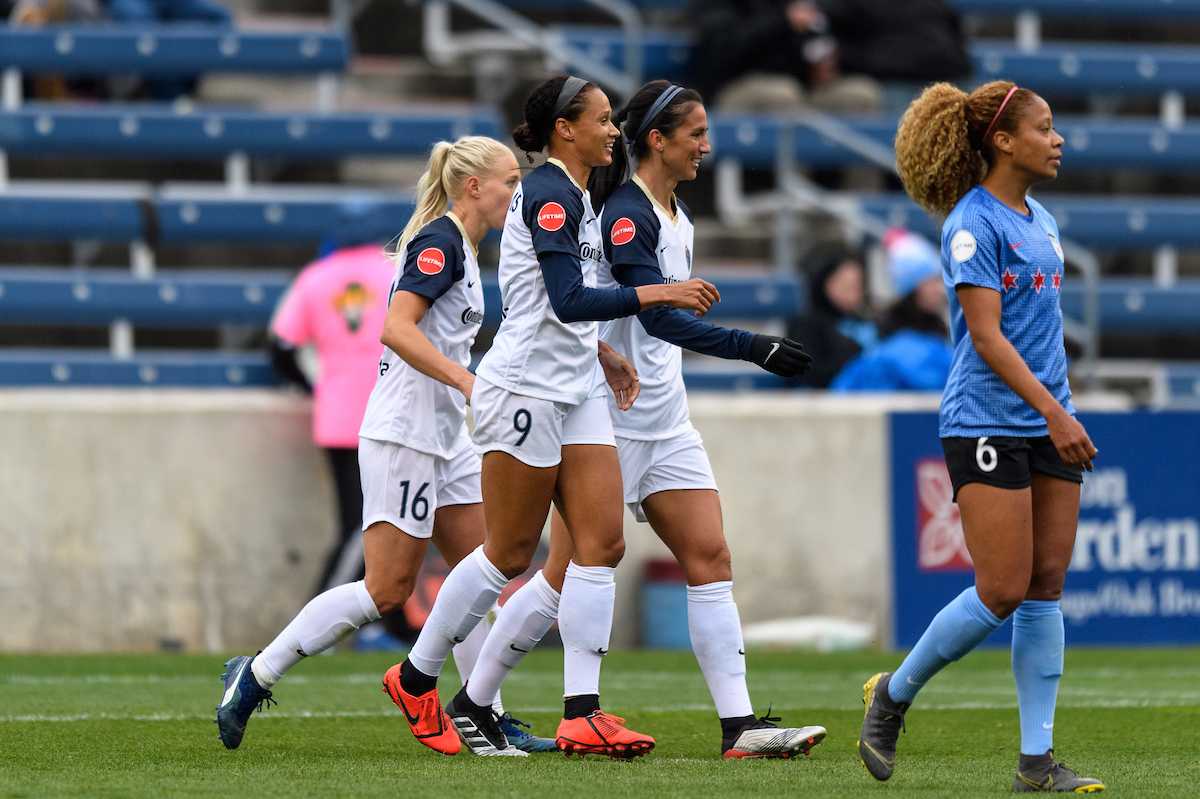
x,y
986,451
523,423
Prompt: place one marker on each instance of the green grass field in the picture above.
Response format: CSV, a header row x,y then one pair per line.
x,y
125,726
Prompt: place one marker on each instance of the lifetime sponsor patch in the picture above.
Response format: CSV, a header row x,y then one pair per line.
x,y
431,261
623,231
963,246
552,217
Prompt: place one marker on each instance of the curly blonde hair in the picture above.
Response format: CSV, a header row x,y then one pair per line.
x,y
939,145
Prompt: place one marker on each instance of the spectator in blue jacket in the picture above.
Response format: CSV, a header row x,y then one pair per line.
x,y
914,353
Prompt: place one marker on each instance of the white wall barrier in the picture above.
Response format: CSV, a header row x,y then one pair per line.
x,y
130,518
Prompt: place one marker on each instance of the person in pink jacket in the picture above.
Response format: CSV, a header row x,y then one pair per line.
x,y
337,304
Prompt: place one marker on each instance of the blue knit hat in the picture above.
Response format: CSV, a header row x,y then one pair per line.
x,y
911,260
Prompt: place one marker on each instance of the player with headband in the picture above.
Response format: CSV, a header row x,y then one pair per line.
x,y
1013,448
542,423
648,240
420,477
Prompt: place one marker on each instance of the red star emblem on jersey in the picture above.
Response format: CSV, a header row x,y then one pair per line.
x,y
1057,281
1039,280
1010,280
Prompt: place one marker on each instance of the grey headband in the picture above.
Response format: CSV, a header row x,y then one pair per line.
x,y
572,87
659,106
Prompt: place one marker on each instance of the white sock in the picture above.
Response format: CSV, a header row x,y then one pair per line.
x,y
466,654
469,591
585,620
522,622
716,633
326,619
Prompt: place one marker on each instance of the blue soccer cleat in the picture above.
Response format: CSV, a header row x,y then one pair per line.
x,y
242,696
526,742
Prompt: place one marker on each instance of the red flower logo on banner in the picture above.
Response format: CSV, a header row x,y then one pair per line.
x,y
940,543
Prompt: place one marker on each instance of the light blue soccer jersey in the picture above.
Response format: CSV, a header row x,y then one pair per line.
x,y
986,243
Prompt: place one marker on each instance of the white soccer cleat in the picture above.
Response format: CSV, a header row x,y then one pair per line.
x,y
763,738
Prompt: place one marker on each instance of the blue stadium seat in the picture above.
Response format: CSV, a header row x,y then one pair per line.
x,y
1084,8
1077,67
168,49
164,369
171,298
198,213
103,212
1138,305
1120,223
1091,144
665,53
159,131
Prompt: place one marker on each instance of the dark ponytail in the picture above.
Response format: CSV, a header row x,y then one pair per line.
x,y
604,180
533,134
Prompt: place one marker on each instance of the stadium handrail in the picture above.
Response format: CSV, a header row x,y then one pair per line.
x,y
1078,8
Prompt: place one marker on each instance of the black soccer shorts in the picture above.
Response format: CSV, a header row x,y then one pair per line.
x,y
1004,461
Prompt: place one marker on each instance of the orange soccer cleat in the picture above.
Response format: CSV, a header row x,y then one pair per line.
x,y
424,714
599,733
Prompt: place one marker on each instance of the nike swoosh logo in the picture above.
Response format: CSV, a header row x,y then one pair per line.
x,y
1046,726
516,648
1018,244
233,684
300,652
456,640
911,681
774,349
741,651
664,249
602,652
470,283
412,720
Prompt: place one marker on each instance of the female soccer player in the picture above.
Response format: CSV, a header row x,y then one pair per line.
x,y
542,424
648,239
1013,447
420,477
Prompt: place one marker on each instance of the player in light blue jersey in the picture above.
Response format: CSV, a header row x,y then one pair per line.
x,y
1014,449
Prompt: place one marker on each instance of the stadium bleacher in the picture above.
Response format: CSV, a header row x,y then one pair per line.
x,y
238,211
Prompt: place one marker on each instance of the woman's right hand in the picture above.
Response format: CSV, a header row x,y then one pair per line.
x,y
1071,440
468,387
694,295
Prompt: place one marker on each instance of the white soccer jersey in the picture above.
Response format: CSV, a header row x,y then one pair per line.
x,y
638,230
534,353
407,407
643,244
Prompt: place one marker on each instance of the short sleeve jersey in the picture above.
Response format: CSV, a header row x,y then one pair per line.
x,y
337,304
986,243
406,406
638,231
534,353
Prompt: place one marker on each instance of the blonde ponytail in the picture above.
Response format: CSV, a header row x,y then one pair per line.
x,y
446,176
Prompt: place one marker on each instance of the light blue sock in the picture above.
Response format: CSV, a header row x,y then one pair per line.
x,y
1037,663
957,629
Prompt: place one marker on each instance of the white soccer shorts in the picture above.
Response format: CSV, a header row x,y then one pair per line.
x,y
675,463
534,431
405,487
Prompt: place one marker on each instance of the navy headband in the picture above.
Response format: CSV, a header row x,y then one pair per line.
x,y
571,88
659,106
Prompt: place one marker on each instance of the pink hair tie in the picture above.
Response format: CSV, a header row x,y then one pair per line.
x,y
999,111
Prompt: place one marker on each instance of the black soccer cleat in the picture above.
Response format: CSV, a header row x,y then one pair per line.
x,y
1039,773
881,727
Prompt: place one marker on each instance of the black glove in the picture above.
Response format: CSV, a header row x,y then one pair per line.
x,y
779,356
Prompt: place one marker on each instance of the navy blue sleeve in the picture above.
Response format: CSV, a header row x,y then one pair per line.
x,y
553,215
433,261
680,327
573,301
